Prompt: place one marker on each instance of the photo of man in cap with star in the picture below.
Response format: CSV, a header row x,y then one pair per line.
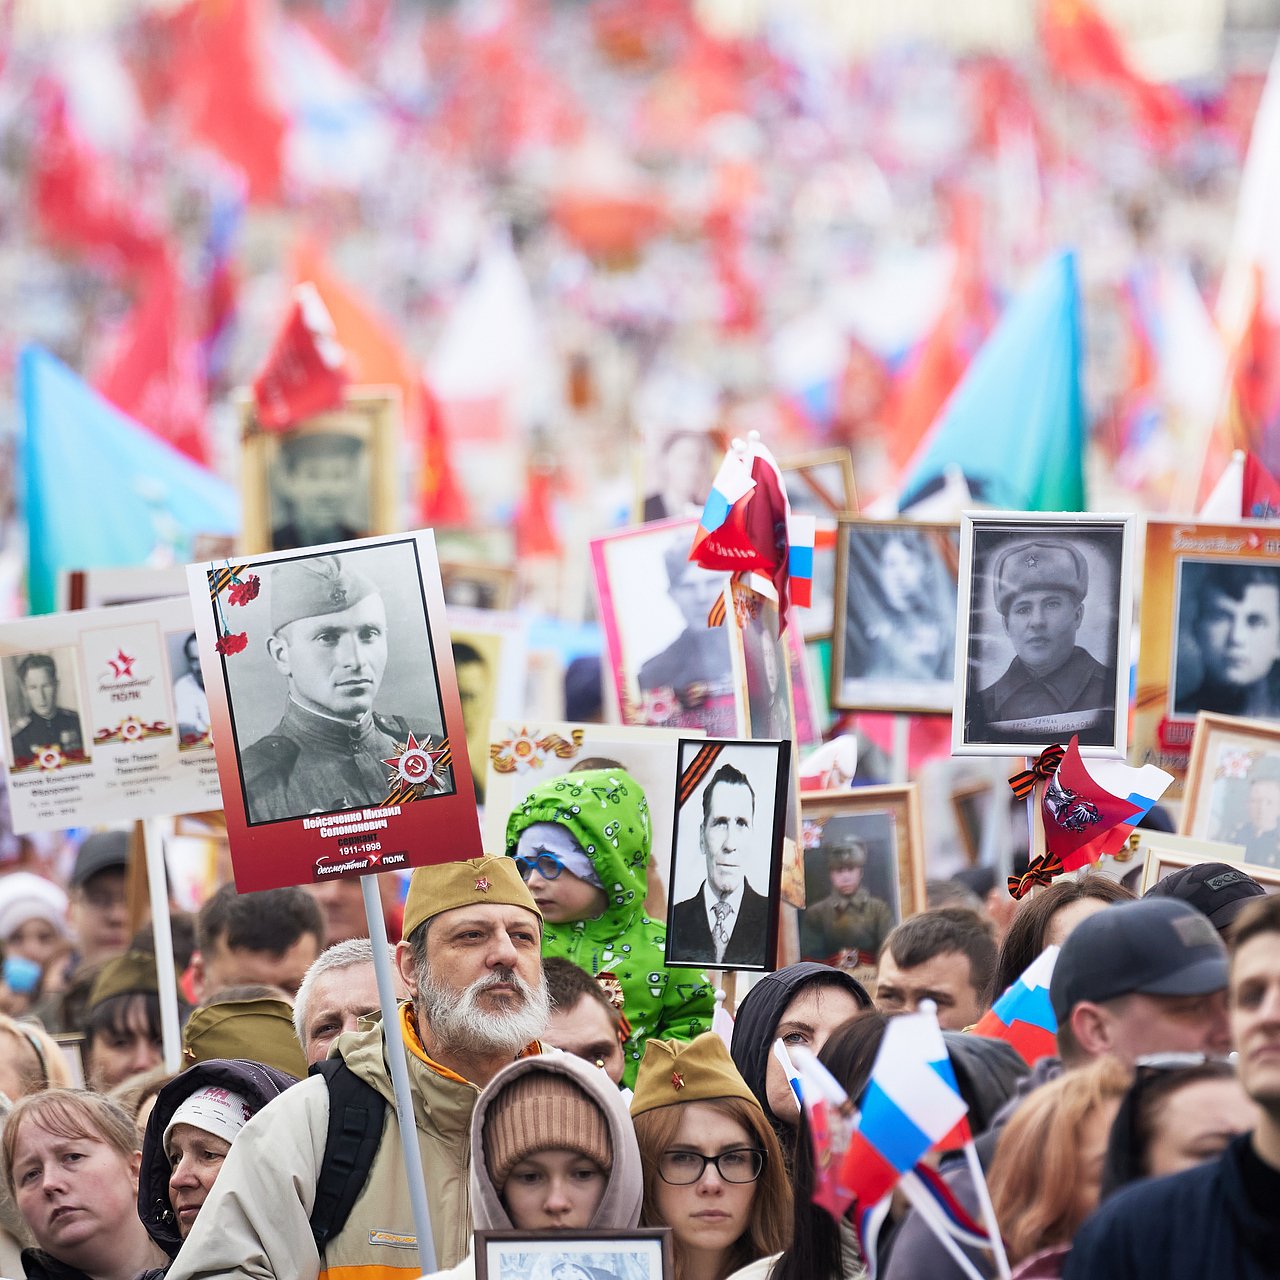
x,y
319,481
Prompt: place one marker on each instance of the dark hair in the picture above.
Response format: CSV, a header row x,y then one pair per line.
x,y
1025,938
464,652
920,938
1262,916
35,660
182,929
1232,581
271,920
726,773
567,983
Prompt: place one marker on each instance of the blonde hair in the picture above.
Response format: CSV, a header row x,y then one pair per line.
x,y
40,1061
70,1113
1035,1175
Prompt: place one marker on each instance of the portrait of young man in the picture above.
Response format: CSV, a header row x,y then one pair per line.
x,y
45,722
321,486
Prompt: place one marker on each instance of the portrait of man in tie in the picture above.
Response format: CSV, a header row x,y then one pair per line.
x,y
729,921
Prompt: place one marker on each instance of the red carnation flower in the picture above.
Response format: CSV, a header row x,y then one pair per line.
x,y
229,644
244,591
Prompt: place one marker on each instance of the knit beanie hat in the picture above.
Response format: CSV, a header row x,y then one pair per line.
x,y
221,1112
543,1112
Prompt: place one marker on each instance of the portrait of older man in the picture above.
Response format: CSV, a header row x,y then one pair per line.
x,y
1051,684
329,643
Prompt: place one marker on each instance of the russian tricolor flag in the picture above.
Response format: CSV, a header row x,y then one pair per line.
x,y
1023,1016
732,483
802,536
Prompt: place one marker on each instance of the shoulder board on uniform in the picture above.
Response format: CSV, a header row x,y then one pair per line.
x,y
396,725
273,754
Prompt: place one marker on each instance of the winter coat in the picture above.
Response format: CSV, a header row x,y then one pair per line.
x,y
607,813
256,1083
619,1207
256,1221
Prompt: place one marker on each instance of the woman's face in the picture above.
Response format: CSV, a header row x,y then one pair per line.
x,y
554,1191
123,1049
710,1215
36,939
73,1192
195,1160
901,573
1196,1122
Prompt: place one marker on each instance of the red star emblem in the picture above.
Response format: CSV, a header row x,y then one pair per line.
x,y
417,765
677,1080
121,665
483,885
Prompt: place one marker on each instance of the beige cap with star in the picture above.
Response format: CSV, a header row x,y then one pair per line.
x,y
440,888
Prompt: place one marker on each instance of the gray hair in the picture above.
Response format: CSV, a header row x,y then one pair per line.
x,y
342,955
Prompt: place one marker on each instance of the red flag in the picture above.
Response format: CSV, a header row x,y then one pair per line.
x,y
1260,496
535,525
1077,810
305,372
154,372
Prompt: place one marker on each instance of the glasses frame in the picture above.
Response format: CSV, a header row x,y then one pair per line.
x,y
715,1160
526,866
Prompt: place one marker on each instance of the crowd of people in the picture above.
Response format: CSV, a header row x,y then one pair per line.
x,y
562,1080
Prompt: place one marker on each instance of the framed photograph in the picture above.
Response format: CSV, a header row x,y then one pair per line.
x,y
643,1253
1210,635
477,586
762,666
1043,647
334,711
894,646
864,871
726,862
1232,791
679,466
667,666
821,485
969,803
331,478
1162,853
100,588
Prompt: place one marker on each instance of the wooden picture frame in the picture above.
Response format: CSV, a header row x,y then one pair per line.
x,y
1163,853
646,1253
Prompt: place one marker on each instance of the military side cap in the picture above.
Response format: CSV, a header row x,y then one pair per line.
x,y
439,888
845,851
313,587
1039,566
304,446
257,1030
675,1071
133,971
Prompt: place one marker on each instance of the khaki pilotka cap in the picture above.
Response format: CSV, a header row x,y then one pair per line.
x,y
135,971
440,888
255,1030
675,1071
314,587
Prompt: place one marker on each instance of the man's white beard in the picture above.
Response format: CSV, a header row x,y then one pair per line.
x,y
457,1020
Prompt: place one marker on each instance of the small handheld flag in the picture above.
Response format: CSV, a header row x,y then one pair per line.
x,y
1023,1016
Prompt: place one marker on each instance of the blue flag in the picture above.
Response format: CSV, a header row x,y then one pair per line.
x,y
102,491
1015,424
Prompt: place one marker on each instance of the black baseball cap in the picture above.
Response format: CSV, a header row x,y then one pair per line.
x,y
1155,947
1219,890
98,852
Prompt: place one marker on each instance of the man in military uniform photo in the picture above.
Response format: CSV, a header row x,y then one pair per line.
x,y
849,919
47,724
316,475
329,640
1040,589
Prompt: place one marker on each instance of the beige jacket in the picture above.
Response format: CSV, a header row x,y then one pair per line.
x,y
256,1221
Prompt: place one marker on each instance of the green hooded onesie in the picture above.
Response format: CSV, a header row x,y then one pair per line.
x,y
607,813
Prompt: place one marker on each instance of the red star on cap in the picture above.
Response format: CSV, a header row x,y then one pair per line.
x,y
482,885
677,1080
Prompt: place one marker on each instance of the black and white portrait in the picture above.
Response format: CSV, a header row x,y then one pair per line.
x,y
1047,605
319,487
336,672
895,645
727,860
1227,655
43,704
764,660
640,1254
190,701
681,467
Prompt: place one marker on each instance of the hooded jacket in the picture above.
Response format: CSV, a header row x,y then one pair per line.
x,y
256,1083
755,1026
619,1207
607,813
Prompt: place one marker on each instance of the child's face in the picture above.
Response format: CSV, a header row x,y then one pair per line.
x,y
554,1190
565,897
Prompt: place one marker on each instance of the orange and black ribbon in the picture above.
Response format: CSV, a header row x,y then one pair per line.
x,y
1022,784
1041,871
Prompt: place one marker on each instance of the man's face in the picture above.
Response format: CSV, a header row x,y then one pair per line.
x,y
694,595
1264,805
1043,626
335,662
846,880
586,1031
99,916
319,490
1240,639
1140,1024
192,651
1255,1018
727,836
472,688
946,979
688,467
41,688
224,966
337,1000
342,903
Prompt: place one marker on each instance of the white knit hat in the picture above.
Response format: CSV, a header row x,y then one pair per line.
x,y
24,897
216,1110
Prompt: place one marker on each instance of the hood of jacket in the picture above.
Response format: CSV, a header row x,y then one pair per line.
x,y
619,1207
606,812
760,1010
257,1083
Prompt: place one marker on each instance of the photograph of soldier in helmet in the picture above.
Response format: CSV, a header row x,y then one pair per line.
x,y
1045,628
850,920
335,676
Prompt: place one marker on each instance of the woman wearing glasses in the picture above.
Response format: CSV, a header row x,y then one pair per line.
x,y
713,1170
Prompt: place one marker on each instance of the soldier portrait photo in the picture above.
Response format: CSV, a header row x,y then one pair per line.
x,y
1047,616
190,699
336,674
44,709
319,489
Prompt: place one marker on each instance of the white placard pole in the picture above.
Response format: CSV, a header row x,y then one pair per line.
x,y
166,974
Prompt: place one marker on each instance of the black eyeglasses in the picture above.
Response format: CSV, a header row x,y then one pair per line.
x,y
547,865
683,1168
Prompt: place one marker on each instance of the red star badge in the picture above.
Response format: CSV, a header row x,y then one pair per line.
x,y
417,765
677,1080
121,664
483,885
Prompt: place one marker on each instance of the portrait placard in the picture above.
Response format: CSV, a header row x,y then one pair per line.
x,y
642,1253
679,466
335,711
101,588
1042,648
726,863
329,478
1210,635
821,485
667,666
91,717
896,592
474,585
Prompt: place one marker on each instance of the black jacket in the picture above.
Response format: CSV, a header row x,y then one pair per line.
x,y
38,1265
1218,1219
689,938
256,1083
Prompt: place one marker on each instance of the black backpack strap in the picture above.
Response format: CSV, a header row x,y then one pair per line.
x,y
356,1113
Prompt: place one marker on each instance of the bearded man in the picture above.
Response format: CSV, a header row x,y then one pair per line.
x,y
471,959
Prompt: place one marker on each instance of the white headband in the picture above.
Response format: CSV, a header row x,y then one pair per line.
x,y
216,1110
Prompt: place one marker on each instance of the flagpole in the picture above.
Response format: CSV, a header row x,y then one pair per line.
x,y
932,1219
988,1209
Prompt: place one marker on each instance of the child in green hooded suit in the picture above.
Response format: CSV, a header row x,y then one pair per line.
x,y
582,843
